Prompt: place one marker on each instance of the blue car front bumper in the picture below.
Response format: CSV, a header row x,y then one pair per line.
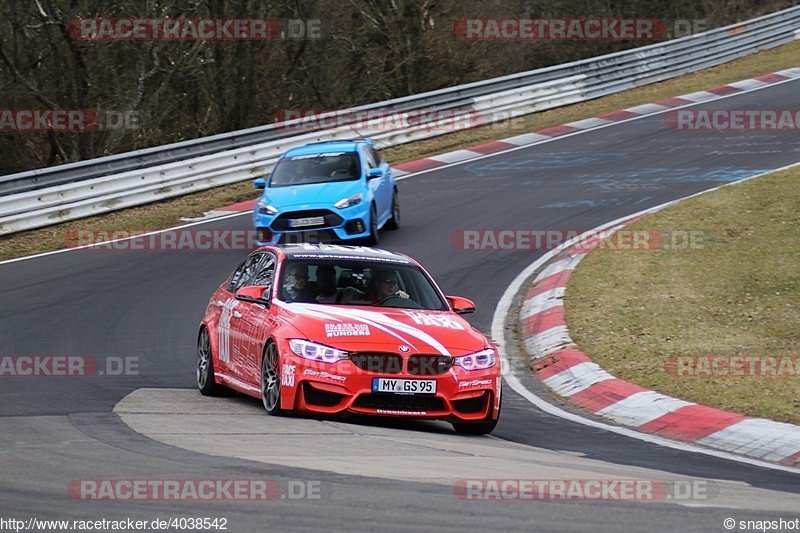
x,y
337,224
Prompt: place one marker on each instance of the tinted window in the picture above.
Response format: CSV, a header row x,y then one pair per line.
x,y
316,168
245,272
266,271
371,160
354,282
375,154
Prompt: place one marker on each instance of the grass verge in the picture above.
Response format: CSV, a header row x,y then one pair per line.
x,y
169,212
735,292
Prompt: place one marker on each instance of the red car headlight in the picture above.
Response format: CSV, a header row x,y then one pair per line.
x,y
477,361
316,352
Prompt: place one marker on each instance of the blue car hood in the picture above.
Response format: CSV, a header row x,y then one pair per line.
x,y
315,193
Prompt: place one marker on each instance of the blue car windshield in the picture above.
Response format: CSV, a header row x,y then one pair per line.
x,y
316,168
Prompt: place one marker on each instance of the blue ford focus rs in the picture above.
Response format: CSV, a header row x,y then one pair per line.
x,y
327,192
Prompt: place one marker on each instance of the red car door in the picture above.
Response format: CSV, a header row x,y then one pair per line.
x,y
257,324
229,324
226,304
254,324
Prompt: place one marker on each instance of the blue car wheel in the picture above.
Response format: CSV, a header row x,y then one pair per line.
x,y
394,222
372,240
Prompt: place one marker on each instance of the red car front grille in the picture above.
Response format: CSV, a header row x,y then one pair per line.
x,y
378,363
429,365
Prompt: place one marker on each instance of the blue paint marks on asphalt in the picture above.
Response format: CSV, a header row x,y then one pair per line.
x,y
655,177
603,202
495,166
674,175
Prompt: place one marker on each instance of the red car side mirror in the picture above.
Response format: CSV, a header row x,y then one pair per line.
x,y
461,306
255,293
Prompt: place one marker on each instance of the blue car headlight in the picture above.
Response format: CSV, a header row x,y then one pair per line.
x,y
477,361
316,352
264,208
350,201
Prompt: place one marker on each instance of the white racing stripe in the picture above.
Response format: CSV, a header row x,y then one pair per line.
x,y
396,324
324,314
294,308
382,322
303,309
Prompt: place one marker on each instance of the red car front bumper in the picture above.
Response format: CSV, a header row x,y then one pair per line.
x,y
345,388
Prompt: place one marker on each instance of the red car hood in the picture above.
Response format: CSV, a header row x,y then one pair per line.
x,y
353,328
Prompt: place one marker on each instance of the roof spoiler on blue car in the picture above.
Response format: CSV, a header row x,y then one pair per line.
x,y
355,140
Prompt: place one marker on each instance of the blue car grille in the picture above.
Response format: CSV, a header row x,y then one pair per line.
x,y
282,222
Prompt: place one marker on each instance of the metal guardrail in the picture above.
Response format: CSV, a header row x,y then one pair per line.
x,y
48,196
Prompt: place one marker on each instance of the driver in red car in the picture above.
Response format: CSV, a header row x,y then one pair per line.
x,y
297,288
384,285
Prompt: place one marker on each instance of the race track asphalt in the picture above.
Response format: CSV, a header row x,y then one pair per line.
x,y
147,304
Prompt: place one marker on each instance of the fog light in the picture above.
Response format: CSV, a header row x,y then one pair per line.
x,y
354,226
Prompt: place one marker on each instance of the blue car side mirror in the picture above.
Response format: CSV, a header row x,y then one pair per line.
x,y
374,173
260,183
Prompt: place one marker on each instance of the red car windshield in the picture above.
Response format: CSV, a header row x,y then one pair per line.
x,y
370,283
